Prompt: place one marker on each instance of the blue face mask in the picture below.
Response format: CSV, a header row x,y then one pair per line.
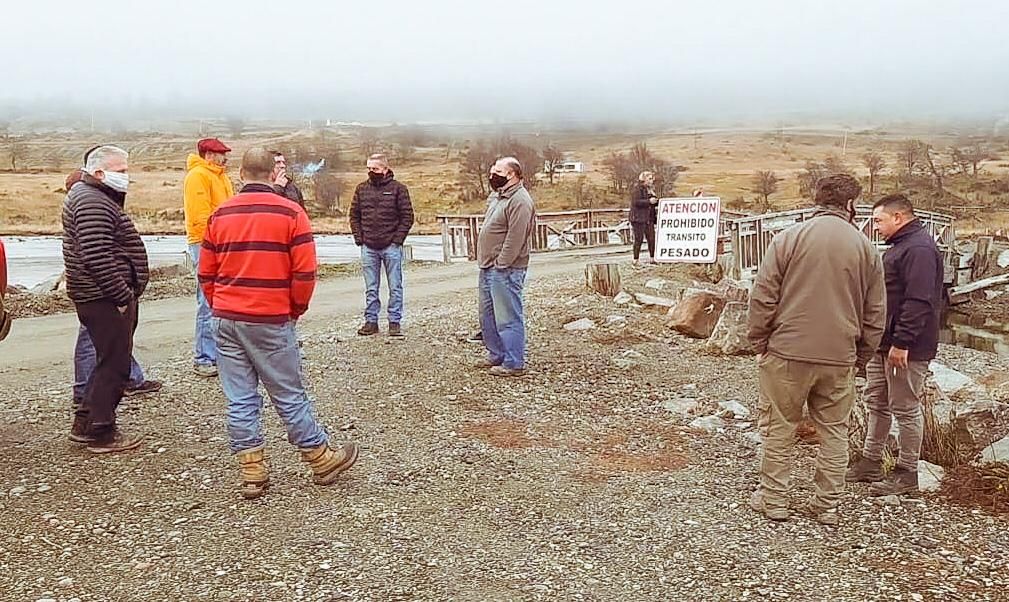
x,y
117,181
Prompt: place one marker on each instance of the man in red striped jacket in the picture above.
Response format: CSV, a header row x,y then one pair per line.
x,y
257,270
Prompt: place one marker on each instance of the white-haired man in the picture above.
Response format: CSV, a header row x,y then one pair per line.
x,y
503,256
106,271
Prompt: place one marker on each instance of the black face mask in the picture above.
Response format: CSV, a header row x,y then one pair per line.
x,y
497,181
376,178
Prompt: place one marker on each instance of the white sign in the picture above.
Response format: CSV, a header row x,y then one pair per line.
x,y
688,230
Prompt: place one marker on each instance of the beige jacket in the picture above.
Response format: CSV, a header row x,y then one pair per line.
x,y
819,296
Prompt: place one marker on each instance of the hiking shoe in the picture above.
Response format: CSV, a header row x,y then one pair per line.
x,y
475,338
328,463
205,370
484,364
825,516
757,504
114,441
144,388
502,371
368,329
79,430
864,471
900,481
395,330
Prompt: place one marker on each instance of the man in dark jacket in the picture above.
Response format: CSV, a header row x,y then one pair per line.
x,y
643,213
896,374
380,218
283,184
107,272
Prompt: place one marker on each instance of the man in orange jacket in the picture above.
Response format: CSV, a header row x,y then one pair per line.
x,y
206,186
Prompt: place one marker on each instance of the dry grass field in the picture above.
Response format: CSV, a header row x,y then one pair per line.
x,y
722,162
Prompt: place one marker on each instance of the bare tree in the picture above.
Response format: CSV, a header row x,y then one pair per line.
x,y
235,125
18,152
620,172
404,152
370,143
584,192
874,162
835,165
623,169
976,154
937,167
480,157
911,156
329,189
765,183
809,176
552,158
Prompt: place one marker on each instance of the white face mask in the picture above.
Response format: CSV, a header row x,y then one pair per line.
x,y
117,181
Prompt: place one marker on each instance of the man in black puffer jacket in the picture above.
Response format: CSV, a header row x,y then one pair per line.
x,y
107,272
381,216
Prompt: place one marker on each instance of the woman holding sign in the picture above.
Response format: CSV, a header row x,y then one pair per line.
x,y
643,214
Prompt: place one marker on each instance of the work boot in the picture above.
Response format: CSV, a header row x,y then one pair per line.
x,y
864,471
79,430
824,516
327,463
144,388
757,504
255,478
502,371
475,338
205,370
484,364
900,481
368,329
113,441
395,330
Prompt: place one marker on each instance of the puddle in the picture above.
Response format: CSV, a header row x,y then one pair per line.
x,y
977,333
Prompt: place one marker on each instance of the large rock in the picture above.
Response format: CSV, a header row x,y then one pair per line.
x,y
710,424
930,476
728,289
950,381
997,452
653,301
697,313
623,298
729,336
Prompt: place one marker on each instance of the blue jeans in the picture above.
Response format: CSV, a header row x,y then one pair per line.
x,y
85,360
372,261
502,319
251,353
205,348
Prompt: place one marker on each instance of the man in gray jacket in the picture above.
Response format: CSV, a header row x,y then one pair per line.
x,y
503,256
817,312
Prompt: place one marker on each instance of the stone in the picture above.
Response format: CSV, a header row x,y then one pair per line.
x,y
581,324
49,284
930,476
628,359
656,283
729,337
736,409
683,407
17,490
615,319
1003,259
947,379
653,301
991,295
65,582
996,453
623,298
710,424
888,500
697,313
754,437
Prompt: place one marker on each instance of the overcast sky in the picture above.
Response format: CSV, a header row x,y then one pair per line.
x,y
588,59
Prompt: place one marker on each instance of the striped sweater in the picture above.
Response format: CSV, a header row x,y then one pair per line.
x,y
257,262
105,257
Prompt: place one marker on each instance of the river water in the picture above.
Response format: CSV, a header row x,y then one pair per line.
x,y
33,259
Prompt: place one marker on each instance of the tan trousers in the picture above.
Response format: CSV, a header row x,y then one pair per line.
x,y
829,392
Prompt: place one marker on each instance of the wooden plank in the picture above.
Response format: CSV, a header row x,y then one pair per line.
x,y
960,294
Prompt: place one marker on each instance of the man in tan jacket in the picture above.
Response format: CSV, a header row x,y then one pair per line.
x,y
817,313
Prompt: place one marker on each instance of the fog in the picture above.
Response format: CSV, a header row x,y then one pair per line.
x,y
448,61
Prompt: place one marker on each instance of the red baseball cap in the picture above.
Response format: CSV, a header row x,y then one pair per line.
x,y
212,145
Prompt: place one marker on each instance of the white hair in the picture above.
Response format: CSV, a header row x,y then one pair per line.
x,y
99,158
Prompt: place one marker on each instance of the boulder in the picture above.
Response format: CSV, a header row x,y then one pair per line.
x,y
582,324
1003,259
697,313
729,336
728,289
710,424
623,298
734,409
930,476
656,283
948,380
653,301
996,453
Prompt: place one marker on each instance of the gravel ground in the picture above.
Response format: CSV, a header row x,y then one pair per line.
x,y
572,483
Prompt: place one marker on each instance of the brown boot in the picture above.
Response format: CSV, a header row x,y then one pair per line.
x,y
114,441
255,478
79,430
327,463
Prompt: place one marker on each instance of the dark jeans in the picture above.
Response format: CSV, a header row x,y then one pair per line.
x,y
643,231
112,335
84,365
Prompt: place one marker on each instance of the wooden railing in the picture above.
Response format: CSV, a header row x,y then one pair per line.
x,y
556,230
